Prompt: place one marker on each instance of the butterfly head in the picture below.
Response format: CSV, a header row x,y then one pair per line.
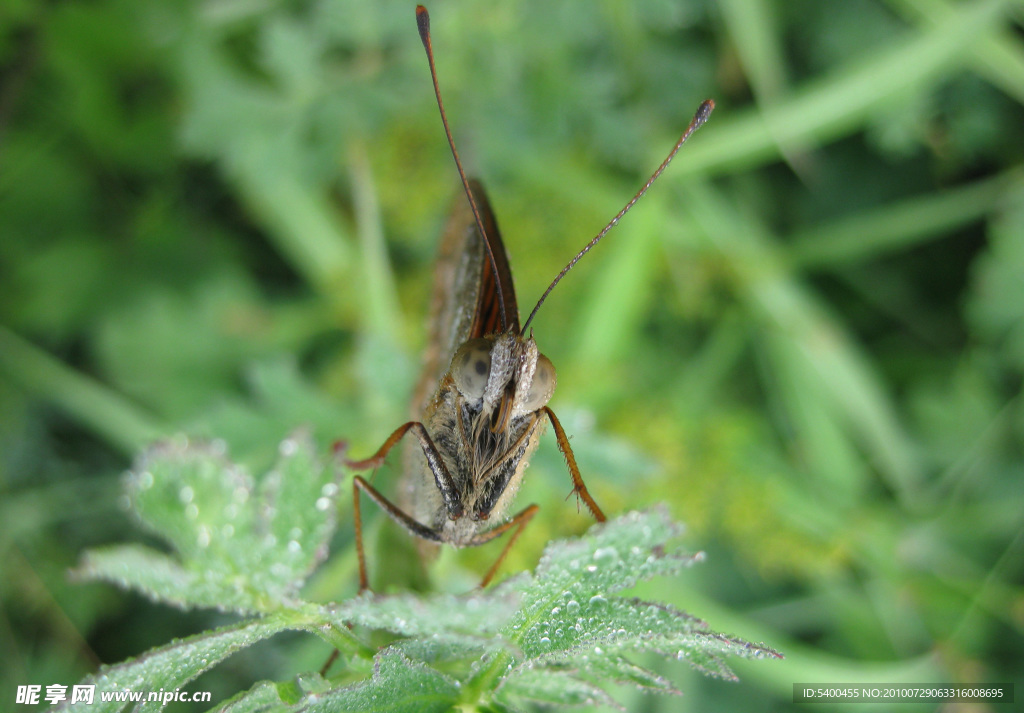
x,y
504,376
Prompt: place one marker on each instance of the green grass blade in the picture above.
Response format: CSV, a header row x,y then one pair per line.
x,y
837,104
99,409
897,227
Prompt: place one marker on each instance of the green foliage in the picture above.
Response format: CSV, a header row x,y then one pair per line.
x,y
558,636
219,219
243,547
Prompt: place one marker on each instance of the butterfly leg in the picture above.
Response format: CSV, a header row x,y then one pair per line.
x,y
578,486
519,522
410,525
445,484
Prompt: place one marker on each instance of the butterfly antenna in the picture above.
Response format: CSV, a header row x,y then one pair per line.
x,y
703,112
423,23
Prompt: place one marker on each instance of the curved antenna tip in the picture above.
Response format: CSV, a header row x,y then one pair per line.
x,y
703,111
423,21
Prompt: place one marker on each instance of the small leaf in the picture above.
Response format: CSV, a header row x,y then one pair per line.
x,y
241,547
269,697
171,667
573,626
552,687
398,685
614,556
152,573
620,670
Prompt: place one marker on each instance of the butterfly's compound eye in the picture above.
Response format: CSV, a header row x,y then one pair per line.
x,y
542,386
471,366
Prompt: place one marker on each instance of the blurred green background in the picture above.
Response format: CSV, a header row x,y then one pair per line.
x,y
219,218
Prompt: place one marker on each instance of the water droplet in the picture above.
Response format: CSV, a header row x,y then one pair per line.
x,y
186,494
572,606
329,490
597,600
294,546
591,567
544,641
295,533
554,612
146,480
323,504
203,538
240,494
192,511
288,447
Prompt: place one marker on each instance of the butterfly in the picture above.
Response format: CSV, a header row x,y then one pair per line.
x,y
466,457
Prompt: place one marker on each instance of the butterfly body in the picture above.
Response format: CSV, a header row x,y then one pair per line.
x,y
485,456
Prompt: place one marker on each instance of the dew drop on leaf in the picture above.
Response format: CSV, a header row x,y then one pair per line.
x,y
186,494
288,447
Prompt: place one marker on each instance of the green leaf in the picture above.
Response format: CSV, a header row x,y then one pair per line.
x,y
479,613
558,636
240,546
398,684
572,626
553,687
267,696
171,667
